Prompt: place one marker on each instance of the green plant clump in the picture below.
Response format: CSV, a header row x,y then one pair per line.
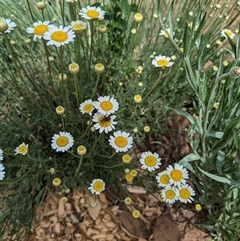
x,y
83,83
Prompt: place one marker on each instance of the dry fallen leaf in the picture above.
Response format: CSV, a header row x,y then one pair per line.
x,y
166,230
93,210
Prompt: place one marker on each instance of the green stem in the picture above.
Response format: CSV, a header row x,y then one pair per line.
x,y
76,88
96,85
63,123
15,61
79,165
91,46
30,10
154,86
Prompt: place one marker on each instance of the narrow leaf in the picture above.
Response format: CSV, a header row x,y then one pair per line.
x,y
190,157
216,178
219,162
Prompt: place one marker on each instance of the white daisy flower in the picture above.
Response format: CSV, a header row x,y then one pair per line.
x,y
106,105
39,29
177,174
22,149
78,26
169,194
59,36
104,123
163,179
185,193
10,25
2,172
97,186
162,61
87,107
1,154
150,161
92,13
121,141
166,33
62,141
227,32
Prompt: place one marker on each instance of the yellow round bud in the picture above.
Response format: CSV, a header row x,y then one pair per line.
x,y
41,5
62,77
129,177
56,181
198,207
3,26
133,31
64,199
99,68
127,200
137,99
126,158
73,68
102,29
81,150
146,128
135,213
60,110
138,17
133,172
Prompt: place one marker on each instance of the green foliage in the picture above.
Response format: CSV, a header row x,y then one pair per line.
x,y
32,86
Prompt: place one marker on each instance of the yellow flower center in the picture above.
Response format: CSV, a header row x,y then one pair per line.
x,y
184,193
56,181
126,158
104,121
150,161
121,141
162,62
92,14
106,105
22,149
59,36
166,34
62,141
129,177
73,66
136,213
128,200
78,26
88,108
228,33
164,179
133,173
170,194
98,186
176,175
40,29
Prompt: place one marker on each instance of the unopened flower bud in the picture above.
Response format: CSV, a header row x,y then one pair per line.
x,y
102,29
41,5
81,150
60,110
73,68
3,25
137,99
99,68
138,17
